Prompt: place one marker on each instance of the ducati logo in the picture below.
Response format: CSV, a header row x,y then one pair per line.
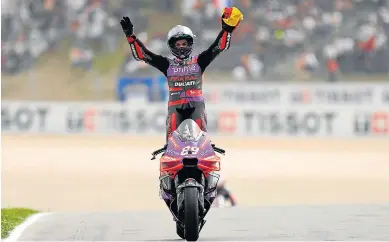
x,y
184,84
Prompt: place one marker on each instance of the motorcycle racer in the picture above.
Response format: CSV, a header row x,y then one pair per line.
x,y
184,71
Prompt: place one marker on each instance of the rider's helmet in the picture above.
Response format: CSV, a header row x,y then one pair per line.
x,y
180,32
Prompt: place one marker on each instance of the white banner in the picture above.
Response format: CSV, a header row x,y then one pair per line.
x,y
243,120
349,94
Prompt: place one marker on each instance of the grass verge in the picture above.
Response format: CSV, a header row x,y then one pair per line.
x,y
12,217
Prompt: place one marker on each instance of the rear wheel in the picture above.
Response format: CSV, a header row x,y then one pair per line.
x,y
191,213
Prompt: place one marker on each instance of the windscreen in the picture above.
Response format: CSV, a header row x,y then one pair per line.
x,y
189,130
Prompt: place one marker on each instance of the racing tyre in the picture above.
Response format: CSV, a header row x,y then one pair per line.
x,y
191,213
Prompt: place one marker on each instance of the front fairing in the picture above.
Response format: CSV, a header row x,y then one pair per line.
x,y
171,161
176,147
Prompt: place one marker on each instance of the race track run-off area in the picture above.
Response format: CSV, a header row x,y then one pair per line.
x,y
106,189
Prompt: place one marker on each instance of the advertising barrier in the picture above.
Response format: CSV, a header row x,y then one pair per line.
x,y
245,120
371,123
26,118
298,94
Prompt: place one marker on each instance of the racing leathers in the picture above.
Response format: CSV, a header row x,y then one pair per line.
x,y
184,78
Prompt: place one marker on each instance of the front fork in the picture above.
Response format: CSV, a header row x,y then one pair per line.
x,y
180,188
171,191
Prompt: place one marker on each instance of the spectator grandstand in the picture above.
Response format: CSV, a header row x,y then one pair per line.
x,y
278,39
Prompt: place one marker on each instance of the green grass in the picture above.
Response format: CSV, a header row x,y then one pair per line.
x,y
12,217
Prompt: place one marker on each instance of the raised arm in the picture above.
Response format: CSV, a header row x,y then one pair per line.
x,y
139,51
230,20
221,44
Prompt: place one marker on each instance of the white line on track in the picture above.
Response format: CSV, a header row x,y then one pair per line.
x,y
17,232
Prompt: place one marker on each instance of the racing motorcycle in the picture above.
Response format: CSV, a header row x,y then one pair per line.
x,y
187,177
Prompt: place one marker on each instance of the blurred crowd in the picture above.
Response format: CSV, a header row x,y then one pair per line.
x,y
278,39
302,39
30,28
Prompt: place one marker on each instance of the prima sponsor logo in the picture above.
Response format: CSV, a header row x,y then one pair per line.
x,y
184,69
184,84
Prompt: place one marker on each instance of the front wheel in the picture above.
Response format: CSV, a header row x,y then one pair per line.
x,y
191,213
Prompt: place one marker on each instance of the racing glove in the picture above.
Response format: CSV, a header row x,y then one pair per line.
x,y
231,19
127,26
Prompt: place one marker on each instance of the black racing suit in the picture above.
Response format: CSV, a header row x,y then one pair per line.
x,y
184,79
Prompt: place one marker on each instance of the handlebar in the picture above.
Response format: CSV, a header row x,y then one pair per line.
x,y
157,152
219,150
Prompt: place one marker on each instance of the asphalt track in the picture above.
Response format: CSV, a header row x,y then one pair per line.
x,y
295,191
342,222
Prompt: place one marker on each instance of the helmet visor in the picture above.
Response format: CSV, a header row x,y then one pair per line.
x,y
181,50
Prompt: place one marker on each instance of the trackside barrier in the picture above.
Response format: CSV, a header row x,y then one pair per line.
x,y
313,120
347,94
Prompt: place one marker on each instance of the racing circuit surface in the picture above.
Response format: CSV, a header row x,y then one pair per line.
x,y
343,222
106,188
